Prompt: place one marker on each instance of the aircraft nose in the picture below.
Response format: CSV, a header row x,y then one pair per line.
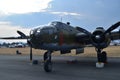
x,y
29,41
35,34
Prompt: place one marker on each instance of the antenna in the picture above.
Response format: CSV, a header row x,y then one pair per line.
x,y
61,19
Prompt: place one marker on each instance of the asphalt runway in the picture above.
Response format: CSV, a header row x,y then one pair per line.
x,y
18,67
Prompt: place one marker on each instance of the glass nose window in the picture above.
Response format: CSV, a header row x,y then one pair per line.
x,y
38,31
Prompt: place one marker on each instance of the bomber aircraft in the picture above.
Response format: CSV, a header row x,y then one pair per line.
x,y
63,37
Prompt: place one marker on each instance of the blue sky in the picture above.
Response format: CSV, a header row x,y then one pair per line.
x,y
26,14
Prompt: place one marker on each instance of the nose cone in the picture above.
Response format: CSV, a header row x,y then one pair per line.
x,y
35,36
97,36
35,33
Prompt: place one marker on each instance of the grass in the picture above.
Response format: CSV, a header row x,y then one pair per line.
x,y
112,51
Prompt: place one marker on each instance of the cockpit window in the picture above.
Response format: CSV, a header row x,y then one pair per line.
x,y
38,31
31,32
48,30
53,23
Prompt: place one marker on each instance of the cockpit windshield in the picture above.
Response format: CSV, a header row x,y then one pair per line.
x,y
56,23
48,30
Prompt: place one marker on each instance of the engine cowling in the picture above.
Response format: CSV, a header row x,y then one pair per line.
x,y
99,40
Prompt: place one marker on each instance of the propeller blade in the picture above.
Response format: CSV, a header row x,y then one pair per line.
x,y
30,53
83,30
22,34
112,28
26,37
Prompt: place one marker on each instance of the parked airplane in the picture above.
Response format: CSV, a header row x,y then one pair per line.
x,y
63,37
20,45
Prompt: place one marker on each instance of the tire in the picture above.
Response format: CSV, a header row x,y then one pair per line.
x,y
99,57
102,57
48,66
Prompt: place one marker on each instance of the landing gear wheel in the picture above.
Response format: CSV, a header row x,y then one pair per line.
x,y
104,57
47,61
48,66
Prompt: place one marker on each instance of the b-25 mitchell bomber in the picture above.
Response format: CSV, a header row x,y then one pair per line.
x,y
59,36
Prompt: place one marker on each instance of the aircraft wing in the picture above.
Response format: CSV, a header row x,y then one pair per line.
x,y
115,35
22,36
15,37
83,38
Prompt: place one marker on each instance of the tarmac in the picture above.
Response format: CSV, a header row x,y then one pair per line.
x,y
18,67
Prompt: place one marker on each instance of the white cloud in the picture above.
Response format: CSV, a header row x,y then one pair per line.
x,y
66,13
9,30
5,23
23,6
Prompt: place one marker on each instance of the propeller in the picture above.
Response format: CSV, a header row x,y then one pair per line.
x,y
98,37
116,25
83,30
22,34
28,41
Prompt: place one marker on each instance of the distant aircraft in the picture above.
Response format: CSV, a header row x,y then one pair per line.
x,y
63,37
16,45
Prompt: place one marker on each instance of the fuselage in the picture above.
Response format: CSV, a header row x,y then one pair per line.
x,y
56,36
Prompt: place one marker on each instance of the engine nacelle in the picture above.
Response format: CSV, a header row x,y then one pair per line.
x,y
100,40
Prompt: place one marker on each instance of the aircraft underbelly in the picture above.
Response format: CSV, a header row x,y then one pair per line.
x,y
56,46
